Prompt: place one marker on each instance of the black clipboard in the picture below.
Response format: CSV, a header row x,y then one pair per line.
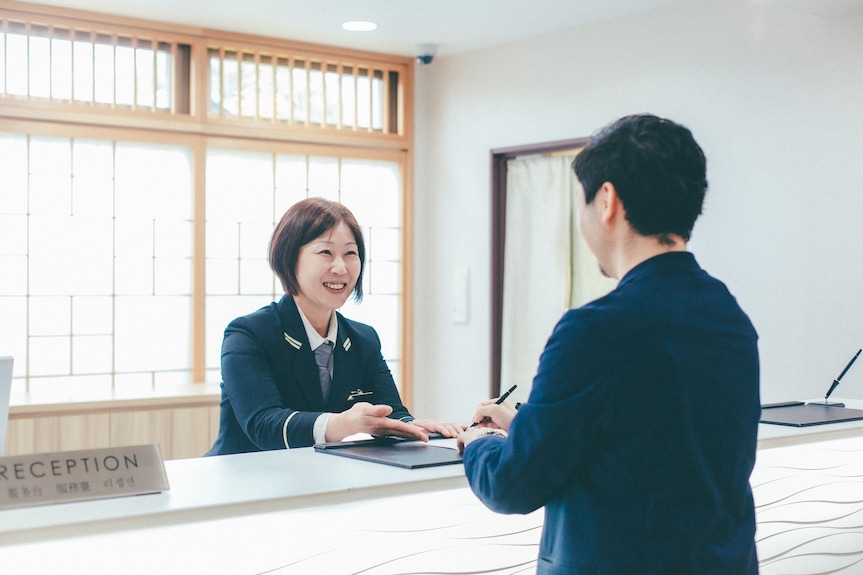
x,y
398,453
808,414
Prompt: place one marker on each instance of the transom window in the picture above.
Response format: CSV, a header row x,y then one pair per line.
x,y
69,62
86,66
300,90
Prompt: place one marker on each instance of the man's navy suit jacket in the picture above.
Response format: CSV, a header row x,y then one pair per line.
x,y
639,433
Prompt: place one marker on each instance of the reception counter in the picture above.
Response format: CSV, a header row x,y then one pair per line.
x,y
771,436
302,512
294,511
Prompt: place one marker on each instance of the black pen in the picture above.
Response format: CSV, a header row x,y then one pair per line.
x,y
500,400
838,379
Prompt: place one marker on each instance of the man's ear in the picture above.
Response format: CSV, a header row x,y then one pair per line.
x,y
610,204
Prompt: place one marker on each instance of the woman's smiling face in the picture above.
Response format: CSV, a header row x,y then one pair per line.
x,y
327,271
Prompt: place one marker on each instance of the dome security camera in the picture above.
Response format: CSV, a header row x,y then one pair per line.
x,y
425,53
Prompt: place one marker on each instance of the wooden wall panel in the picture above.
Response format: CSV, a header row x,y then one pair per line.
x,y
63,433
141,427
214,424
182,431
190,432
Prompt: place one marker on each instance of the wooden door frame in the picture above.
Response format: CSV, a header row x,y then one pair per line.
x,y
499,159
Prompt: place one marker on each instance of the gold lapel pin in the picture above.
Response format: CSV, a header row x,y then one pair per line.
x,y
358,393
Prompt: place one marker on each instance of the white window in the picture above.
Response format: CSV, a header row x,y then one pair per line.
x,y
247,193
96,253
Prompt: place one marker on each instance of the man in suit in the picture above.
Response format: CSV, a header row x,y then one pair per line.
x,y
297,372
639,433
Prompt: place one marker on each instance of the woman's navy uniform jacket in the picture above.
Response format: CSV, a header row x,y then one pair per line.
x,y
271,391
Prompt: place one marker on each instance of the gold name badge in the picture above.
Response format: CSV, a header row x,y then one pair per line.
x,y
45,478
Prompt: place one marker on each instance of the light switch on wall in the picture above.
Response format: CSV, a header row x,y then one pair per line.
x,y
460,294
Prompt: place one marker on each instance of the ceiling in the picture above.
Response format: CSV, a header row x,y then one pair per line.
x,y
452,26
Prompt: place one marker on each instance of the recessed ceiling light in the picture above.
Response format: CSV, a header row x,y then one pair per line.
x,y
359,26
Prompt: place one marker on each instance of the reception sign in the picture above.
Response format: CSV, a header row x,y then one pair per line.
x,y
45,478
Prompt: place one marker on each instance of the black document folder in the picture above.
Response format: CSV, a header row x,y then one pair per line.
x,y
804,415
406,454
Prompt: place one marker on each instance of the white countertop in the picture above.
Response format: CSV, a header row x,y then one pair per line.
x,y
297,512
232,485
771,436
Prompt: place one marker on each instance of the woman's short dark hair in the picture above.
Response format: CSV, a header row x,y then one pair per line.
x,y
304,222
657,169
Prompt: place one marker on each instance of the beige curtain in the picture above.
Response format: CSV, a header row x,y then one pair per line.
x,y
547,266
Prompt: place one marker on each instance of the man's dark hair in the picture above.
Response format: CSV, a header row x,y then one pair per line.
x,y
657,168
304,222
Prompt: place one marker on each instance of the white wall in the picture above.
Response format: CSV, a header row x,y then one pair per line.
x,y
775,99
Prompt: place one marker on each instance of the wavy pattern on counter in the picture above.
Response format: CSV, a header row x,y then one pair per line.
x,y
441,533
809,508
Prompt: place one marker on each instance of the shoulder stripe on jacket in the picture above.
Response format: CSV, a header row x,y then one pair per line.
x,y
294,343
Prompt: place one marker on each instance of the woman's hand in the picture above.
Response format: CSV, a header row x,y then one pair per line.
x,y
444,428
368,418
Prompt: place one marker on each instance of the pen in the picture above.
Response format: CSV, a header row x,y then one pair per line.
x,y
500,400
838,379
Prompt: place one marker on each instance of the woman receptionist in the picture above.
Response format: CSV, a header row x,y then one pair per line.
x,y
297,372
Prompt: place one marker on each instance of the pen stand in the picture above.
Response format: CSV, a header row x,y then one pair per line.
x,y
826,403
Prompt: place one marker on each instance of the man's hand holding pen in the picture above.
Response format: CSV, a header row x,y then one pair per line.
x,y
492,417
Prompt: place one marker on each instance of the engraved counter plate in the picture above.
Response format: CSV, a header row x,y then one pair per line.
x,y
44,478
